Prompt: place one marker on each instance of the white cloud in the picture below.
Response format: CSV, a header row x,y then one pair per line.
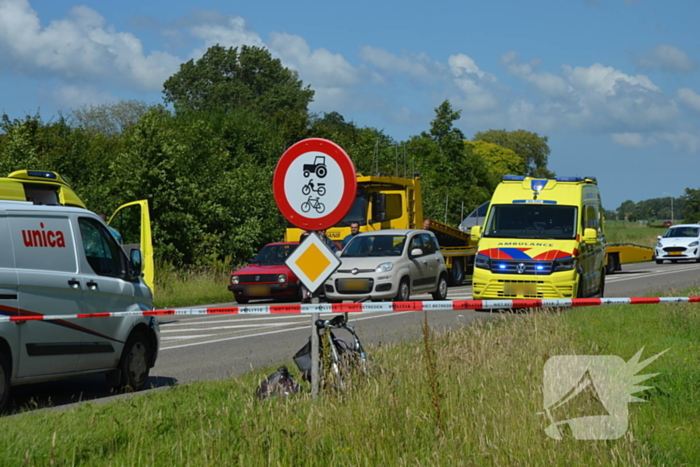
x,y
320,67
548,83
680,140
633,140
74,97
690,142
667,58
414,65
598,97
79,48
689,98
214,28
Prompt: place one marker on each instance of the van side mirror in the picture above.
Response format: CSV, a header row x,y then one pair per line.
x,y
475,233
378,207
590,236
136,260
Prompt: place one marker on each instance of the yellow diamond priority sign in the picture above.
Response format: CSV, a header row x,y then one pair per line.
x,y
313,262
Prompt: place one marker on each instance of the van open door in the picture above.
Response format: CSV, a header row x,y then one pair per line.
x,y
133,222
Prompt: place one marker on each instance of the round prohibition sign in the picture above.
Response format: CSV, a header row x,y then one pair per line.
x,y
314,184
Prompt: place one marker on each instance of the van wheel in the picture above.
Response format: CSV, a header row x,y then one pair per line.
x,y
441,291
404,292
457,272
4,381
134,364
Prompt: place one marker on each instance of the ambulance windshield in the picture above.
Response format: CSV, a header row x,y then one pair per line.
x,y
540,221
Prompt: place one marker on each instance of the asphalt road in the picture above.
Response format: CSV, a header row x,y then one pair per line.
x,y
216,347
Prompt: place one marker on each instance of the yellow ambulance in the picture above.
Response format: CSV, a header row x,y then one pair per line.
x,y
542,238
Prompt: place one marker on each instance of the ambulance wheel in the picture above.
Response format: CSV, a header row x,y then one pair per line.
x,y
134,364
4,381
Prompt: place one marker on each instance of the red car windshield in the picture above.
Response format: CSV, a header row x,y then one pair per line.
x,y
273,254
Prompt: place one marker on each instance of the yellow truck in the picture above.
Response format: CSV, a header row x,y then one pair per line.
x,y
51,189
542,238
396,203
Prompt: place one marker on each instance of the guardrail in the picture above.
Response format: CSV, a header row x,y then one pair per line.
x,y
367,307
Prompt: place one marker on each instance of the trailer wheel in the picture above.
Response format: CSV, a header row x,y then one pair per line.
x,y
457,272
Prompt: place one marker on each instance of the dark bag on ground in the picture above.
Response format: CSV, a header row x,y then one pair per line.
x,y
303,357
278,384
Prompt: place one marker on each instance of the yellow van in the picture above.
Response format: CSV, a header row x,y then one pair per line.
x,y
542,238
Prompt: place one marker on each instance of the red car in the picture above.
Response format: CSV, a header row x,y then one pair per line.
x,y
668,224
267,277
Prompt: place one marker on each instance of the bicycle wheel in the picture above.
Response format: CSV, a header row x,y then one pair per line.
x,y
305,206
320,207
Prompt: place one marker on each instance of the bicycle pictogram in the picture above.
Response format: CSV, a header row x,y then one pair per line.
x,y
320,188
318,167
313,203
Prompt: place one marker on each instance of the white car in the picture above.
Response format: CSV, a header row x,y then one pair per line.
x,y
681,241
389,264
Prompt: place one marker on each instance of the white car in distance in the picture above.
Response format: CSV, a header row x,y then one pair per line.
x,y
389,265
680,241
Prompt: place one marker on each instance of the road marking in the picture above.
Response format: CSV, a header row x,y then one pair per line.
x,y
276,332
652,273
241,326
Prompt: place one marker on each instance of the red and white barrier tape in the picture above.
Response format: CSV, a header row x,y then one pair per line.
x,y
372,307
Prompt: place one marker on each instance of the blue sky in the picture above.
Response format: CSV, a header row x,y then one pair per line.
x,y
614,84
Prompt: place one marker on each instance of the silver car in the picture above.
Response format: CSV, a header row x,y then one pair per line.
x,y
389,264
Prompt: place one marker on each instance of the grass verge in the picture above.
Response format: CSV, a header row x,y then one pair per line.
x,y
489,392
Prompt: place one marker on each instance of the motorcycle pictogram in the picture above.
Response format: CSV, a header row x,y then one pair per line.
x,y
309,187
318,167
313,203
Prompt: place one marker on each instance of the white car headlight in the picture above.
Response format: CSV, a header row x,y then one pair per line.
x,y
695,243
659,245
384,267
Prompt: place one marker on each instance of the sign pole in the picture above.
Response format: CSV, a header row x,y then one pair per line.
x,y
314,349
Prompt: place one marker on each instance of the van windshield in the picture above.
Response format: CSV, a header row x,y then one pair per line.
x,y
531,221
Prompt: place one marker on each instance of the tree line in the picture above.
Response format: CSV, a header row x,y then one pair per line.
x,y
685,208
204,158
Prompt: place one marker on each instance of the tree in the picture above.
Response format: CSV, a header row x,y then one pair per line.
x,y
109,119
227,79
531,147
691,201
497,160
451,173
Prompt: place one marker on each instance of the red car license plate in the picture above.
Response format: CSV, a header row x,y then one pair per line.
x,y
257,290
